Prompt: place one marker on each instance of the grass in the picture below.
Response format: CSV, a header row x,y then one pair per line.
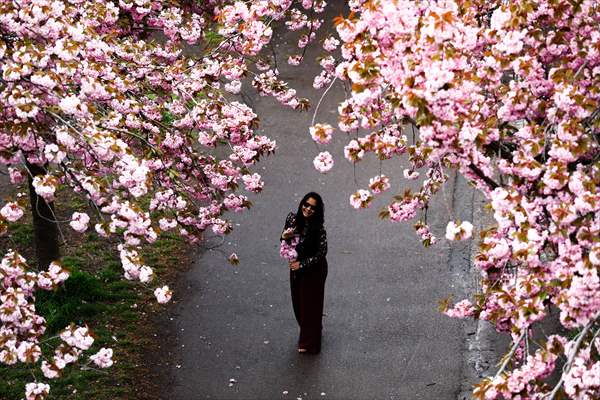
x,y
95,294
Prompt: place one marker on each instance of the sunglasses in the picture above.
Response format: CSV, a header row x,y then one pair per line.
x,y
307,205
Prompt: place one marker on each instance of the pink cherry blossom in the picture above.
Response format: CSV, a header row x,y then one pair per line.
x,y
287,249
331,43
36,391
103,358
79,221
145,274
71,105
403,210
379,184
462,309
295,59
411,175
253,182
233,87
11,211
16,176
361,199
50,371
77,337
45,186
28,352
323,162
425,234
321,133
163,294
459,231
499,18
353,151
53,153
167,224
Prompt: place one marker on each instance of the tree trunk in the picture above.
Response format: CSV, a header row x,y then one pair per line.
x,y
44,224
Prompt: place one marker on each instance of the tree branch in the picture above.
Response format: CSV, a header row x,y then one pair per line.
x,y
489,181
510,353
569,363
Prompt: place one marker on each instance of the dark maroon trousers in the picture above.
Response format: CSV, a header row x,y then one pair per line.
x,y
308,290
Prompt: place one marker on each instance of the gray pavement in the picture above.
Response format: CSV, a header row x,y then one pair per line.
x,y
231,333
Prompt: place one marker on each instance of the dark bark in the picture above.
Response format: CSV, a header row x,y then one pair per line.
x,y
44,225
489,181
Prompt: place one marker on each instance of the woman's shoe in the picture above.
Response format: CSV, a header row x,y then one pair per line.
x,y
302,350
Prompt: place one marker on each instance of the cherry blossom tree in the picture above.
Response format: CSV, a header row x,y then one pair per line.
x,y
126,104
508,94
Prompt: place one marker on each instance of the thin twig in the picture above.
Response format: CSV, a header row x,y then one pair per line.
x,y
574,349
580,69
321,99
511,353
310,31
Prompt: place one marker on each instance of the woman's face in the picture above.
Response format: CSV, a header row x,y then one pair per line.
x,y
309,207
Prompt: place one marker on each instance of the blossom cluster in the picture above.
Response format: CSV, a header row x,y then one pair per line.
x,y
323,162
68,60
149,135
287,249
507,94
460,231
246,28
23,328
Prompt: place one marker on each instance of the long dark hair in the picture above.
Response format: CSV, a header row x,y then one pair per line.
x,y
311,243
316,221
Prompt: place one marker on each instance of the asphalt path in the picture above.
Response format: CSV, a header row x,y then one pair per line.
x,y
231,333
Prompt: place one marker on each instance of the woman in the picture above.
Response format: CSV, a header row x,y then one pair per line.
x,y
309,271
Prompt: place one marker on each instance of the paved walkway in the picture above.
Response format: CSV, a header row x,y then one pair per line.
x,y
232,328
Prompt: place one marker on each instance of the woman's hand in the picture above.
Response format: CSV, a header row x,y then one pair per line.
x,y
295,265
288,234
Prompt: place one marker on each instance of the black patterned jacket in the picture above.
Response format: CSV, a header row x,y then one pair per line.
x,y
307,257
